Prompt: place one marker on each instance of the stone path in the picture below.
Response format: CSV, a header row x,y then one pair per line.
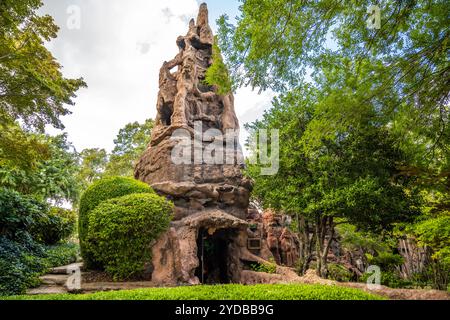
x,y
56,282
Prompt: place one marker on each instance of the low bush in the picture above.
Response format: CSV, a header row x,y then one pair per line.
x,y
390,279
20,254
121,231
339,273
21,263
23,226
59,224
386,260
268,267
61,254
98,192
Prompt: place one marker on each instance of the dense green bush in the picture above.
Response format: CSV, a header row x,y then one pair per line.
x,y
24,223
121,231
19,214
20,254
61,254
339,273
59,224
386,260
98,192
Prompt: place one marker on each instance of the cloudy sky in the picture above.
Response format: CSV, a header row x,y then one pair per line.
x,y
118,46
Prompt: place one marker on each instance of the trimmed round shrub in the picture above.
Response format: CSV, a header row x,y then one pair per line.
x,y
99,191
122,230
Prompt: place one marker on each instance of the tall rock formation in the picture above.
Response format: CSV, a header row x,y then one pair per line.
x,y
194,159
188,108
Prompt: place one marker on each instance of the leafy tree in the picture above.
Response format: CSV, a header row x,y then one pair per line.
x,y
19,149
52,177
352,177
397,75
130,143
32,87
92,166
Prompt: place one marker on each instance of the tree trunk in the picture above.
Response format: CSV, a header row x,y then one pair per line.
x,y
323,225
305,244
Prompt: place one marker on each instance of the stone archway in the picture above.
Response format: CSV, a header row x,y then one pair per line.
x,y
177,256
215,255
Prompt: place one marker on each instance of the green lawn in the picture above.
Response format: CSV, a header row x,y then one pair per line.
x,y
221,292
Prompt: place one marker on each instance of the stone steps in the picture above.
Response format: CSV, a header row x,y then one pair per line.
x,y
55,282
65,269
47,289
54,279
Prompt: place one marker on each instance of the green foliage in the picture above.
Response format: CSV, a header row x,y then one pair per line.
x,y
99,191
394,77
52,175
390,279
352,176
339,272
23,258
130,143
19,150
92,167
352,239
387,261
19,215
435,233
22,262
121,231
264,267
59,224
223,292
61,254
217,73
33,88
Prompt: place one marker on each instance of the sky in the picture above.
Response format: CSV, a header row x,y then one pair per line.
x,y
118,47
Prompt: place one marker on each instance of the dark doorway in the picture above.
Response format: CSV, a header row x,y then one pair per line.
x,y
212,253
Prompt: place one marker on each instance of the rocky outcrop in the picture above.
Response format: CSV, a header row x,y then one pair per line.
x,y
194,159
192,119
277,241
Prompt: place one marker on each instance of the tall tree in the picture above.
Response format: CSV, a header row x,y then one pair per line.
x,y
398,75
52,177
130,143
352,178
32,87
92,166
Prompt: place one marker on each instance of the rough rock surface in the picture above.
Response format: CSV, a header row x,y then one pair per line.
x,y
278,243
211,198
188,108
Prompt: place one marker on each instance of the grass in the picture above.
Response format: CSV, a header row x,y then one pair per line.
x,y
220,292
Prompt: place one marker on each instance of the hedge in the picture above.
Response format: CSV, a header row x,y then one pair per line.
x,y
121,231
98,192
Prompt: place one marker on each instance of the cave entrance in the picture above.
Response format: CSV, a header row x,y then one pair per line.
x,y
213,255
